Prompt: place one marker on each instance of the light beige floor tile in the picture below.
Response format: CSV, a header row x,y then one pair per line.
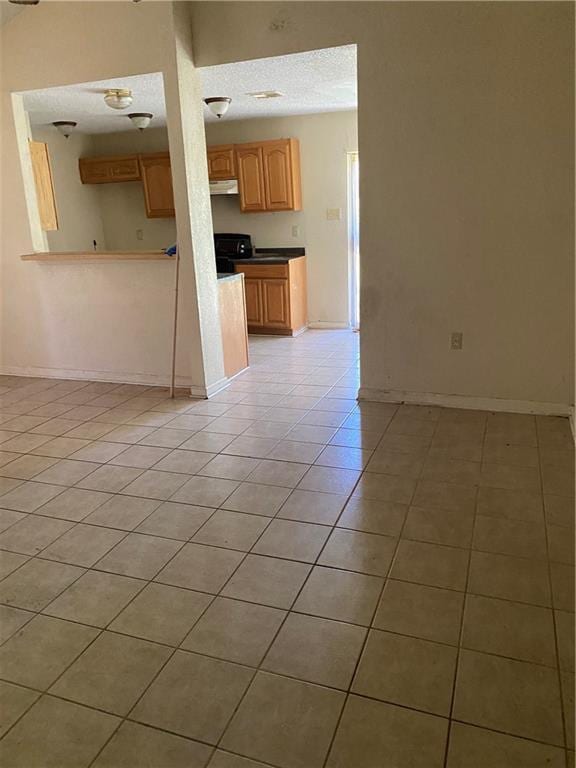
x,y
562,586
14,701
559,510
186,461
440,495
356,438
255,447
56,734
453,447
6,457
473,747
39,652
497,451
428,412
140,456
167,438
267,580
73,504
408,671
110,479
510,504
36,583
516,630
309,433
439,526
226,425
420,611
312,507
510,578
316,650
567,684
139,555
510,476
128,434
343,457
329,480
232,530
90,430
123,512
385,517
27,467
323,418
95,599
408,425
112,673
83,545
257,499
222,759
286,722
389,462
289,450
512,696
136,745
556,479
205,491
161,614
292,540
431,564
32,534
196,566
66,472
229,467
372,733
235,631
10,561
194,696
22,443
355,551
560,545
510,537
565,636
385,488
340,595
27,497
11,619
100,451
156,485
175,521
456,471
407,444
268,429
283,473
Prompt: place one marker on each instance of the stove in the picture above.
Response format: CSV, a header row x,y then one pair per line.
x,y
229,246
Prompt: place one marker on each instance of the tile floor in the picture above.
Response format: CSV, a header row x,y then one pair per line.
x,y
282,576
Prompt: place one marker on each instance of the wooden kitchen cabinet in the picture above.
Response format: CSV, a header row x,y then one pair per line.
x,y
221,162
269,176
44,185
276,297
157,182
105,170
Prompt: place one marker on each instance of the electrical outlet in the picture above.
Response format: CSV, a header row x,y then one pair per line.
x,y
333,214
139,234
456,340
296,230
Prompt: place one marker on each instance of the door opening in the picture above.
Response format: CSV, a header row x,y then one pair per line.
x,y
353,241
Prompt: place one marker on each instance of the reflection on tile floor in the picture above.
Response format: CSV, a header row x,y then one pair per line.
x,y
282,576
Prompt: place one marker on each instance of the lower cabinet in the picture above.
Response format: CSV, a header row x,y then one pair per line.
x,y
276,297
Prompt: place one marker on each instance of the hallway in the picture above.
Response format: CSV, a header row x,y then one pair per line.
x,y
282,576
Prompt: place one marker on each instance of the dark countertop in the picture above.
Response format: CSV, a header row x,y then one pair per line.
x,y
273,256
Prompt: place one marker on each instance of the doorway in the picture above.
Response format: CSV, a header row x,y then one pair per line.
x,y
354,240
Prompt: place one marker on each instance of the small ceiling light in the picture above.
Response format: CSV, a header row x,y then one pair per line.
x,y
65,127
218,105
265,94
140,120
24,2
118,98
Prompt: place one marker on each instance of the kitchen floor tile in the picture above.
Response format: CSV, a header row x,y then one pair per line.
x,y
229,467
36,583
14,701
329,480
156,485
232,530
431,564
385,488
205,491
32,534
73,504
283,473
196,566
185,461
123,512
66,472
355,551
340,595
139,555
267,580
110,479
510,537
439,526
292,540
27,497
11,619
83,545
140,456
312,507
473,747
510,578
257,499
175,521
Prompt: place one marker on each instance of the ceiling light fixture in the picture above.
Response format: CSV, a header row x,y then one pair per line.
x,y
65,127
218,105
140,120
118,98
24,2
265,94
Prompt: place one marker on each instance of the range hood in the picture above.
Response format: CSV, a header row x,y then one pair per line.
x,y
229,187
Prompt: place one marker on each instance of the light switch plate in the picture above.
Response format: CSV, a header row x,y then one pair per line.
x,y
333,214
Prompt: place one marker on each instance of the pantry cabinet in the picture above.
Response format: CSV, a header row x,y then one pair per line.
x,y
269,176
221,162
157,182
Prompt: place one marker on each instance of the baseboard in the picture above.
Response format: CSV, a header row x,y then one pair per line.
x,y
328,325
213,389
463,401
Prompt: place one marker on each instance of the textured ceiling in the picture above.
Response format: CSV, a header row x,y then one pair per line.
x,y
318,81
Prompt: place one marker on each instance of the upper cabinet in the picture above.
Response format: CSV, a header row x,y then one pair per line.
x,y
221,164
157,182
103,170
44,185
269,176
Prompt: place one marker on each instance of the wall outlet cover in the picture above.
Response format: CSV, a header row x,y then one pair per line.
x,y
333,214
456,339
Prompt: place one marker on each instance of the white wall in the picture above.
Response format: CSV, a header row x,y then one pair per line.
x,y
77,204
324,141
465,119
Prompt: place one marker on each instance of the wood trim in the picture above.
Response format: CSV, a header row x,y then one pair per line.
x,y
98,256
44,183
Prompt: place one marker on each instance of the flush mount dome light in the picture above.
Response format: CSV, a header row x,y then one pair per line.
x,y
140,120
65,127
118,98
218,105
265,94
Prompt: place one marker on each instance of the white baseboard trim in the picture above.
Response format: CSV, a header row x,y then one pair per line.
x,y
463,401
213,389
328,325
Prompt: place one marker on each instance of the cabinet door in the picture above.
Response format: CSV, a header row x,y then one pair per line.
x,y
221,162
104,170
276,303
250,178
253,291
157,181
44,185
277,175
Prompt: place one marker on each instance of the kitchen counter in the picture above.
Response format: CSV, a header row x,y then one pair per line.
x,y
273,256
227,275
